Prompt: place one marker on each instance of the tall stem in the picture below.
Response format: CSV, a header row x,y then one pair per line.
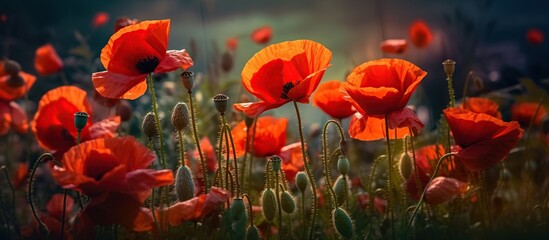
x,y
197,142
62,234
279,206
307,170
230,138
157,121
181,148
30,186
390,198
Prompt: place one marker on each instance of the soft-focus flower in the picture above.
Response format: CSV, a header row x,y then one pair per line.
x,y
283,72
380,90
270,136
20,175
53,224
46,60
395,46
209,154
484,140
420,34
115,174
262,35
524,113
195,208
55,206
363,200
534,36
134,52
482,105
53,123
292,160
443,189
122,22
12,116
331,101
100,19
8,92
232,43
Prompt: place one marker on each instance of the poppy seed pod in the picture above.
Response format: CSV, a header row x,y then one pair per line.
x,y
187,78
80,120
342,222
301,181
252,233
268,203
184,184
12,67
287,202
248,121
340,190
276,162
449,67
343,165
220,101
180,116
405,166
148,125
227,61
238,209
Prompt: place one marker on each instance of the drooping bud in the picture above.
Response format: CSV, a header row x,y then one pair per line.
x,y
124,110
187,78
340,190
276,162
449,67
227,61
479,84
12,67
268,203
238,209
343,146
405,165
287,202
180,116
342,222
220,101
80,120
343,165
301,181
252,233
184,184
149,125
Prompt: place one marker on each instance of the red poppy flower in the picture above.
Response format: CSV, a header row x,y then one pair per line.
x,y
331,101
100,19
534,36
524,113
20,175
53,123
394,46
209,154
134,52
8,92
55,206
54,226
292,160
232,43
123,22
363,200
46,60
270,136
12,116
443,189
381,89
195,208
283,72
262,35
482,105
484,140
420,34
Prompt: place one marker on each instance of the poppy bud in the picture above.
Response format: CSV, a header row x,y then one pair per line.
x,y
342,222
343,146
479,84
340,190
268,203
252,233
180,116
184,184
449,67
149,125
343,165
15,81
80,120
301,181
238,209
227,61
405,165
276,163
187,78
12,67
220,101
287,202
124,110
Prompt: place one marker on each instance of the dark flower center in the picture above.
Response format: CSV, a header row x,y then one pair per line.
x,y
147,64
286,88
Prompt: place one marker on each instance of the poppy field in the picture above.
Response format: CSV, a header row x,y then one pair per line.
x,y
149,138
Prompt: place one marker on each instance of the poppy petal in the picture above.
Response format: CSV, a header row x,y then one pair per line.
x,y
292,160
19,120
443,189
105,128
46,60
5,117
173,60
252,109
367,128
146,179
9,93
329,98
115,85
404,118
394,46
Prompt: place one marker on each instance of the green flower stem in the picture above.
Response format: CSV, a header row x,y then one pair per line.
x,y
12,189
390,199
307,170
150,83
42,226
250,210
528,161
370,182
62,234
181,148
325,156
242,174
279,206
230,138
252,153
197,142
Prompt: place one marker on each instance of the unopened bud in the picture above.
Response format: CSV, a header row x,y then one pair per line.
x,y
12,67
343,165
268,203
276,162
220,101
184,184
342,222
124,110
238,209
340,190
252,233
287,202
187,78
149,125
301,181
449,67
405,165
227,61
343,146
180,116
80,120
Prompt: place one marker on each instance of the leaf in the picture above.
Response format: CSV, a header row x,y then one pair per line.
x,y
82,51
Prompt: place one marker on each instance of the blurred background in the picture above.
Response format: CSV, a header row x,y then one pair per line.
x,y
492,38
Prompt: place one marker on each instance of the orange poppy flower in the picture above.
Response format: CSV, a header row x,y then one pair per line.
x,y
443,189
331,101
232,43
134,52
262,35
420,34
53,123
534,36
524,112
482,105
8,92
195,208
55,206
100,19
283,72
394,46
270,136
381,89
12,116
483,139
292,160
46,60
